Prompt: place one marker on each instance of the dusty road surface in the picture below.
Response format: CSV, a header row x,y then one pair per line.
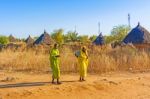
x,y
106,86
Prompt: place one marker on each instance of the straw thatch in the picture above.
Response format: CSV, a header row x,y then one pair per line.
x,y
138,35
1,46
12,38
99,40
44,39
29,40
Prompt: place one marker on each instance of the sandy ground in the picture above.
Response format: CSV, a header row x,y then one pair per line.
x,y
106,86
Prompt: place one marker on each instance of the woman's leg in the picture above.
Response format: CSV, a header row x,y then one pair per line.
x,y
53,80
80,79
58,82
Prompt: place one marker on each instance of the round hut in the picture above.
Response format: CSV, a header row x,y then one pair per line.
x,y
139,37
12,38
29,40
44,39
99,40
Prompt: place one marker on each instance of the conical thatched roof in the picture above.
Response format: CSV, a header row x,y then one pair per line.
x,y
29,40
12,38
99,40
138,35
44,39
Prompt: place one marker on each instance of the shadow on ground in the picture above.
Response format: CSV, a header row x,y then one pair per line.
x,y
29,84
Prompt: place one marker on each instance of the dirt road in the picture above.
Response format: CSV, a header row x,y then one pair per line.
x,y
106,86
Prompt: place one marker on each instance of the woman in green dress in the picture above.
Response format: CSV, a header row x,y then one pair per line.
x,y
54,60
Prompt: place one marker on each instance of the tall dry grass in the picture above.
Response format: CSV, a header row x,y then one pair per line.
x,y
101,60
29,60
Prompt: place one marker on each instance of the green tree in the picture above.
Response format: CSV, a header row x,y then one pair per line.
x,y
109,39
84,39
58,36
118,33
4,40
71,36
92,38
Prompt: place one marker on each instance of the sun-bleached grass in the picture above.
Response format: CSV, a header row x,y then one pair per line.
x,y
100,60
23,60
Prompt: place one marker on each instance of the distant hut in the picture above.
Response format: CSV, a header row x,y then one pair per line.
x,y
1,46
99,40
12,38
29,40
44,39
139,37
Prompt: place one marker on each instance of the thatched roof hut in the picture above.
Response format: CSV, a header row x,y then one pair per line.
x,y
44,39
29,40
138,35
99,40
1,46
12,38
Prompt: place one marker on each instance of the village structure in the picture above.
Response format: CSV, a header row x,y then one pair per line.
x,y
139,37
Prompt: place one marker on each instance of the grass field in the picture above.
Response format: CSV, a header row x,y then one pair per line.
x,y
101,60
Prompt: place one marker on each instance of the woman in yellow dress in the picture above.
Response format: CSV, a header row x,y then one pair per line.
x,y
54,60
83,63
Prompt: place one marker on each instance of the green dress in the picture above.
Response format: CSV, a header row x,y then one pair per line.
x,y
55,63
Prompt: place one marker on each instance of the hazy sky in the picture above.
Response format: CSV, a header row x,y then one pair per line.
x,y
24,17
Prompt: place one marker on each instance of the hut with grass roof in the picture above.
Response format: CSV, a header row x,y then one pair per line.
x,y
44,39
12,38
99,40
29,40
139,37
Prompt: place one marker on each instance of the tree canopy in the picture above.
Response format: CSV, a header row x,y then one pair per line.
x,y
58,36
118,33
4,40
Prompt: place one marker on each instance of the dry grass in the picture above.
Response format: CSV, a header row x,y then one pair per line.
x,y
101,60
23,60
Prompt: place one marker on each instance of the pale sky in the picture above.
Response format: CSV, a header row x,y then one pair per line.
x,y
24,17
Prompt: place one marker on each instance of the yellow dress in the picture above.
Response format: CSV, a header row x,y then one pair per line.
x,y
55,63
83,63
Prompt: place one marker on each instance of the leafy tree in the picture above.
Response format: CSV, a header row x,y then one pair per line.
x,y
71,36
58,36
109,39
4,40
118,33
84,38
93,37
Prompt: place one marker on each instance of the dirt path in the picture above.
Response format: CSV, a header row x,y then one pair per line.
x,y
106,86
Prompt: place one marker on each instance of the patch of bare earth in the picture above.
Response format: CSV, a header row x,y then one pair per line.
x,y
107,86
